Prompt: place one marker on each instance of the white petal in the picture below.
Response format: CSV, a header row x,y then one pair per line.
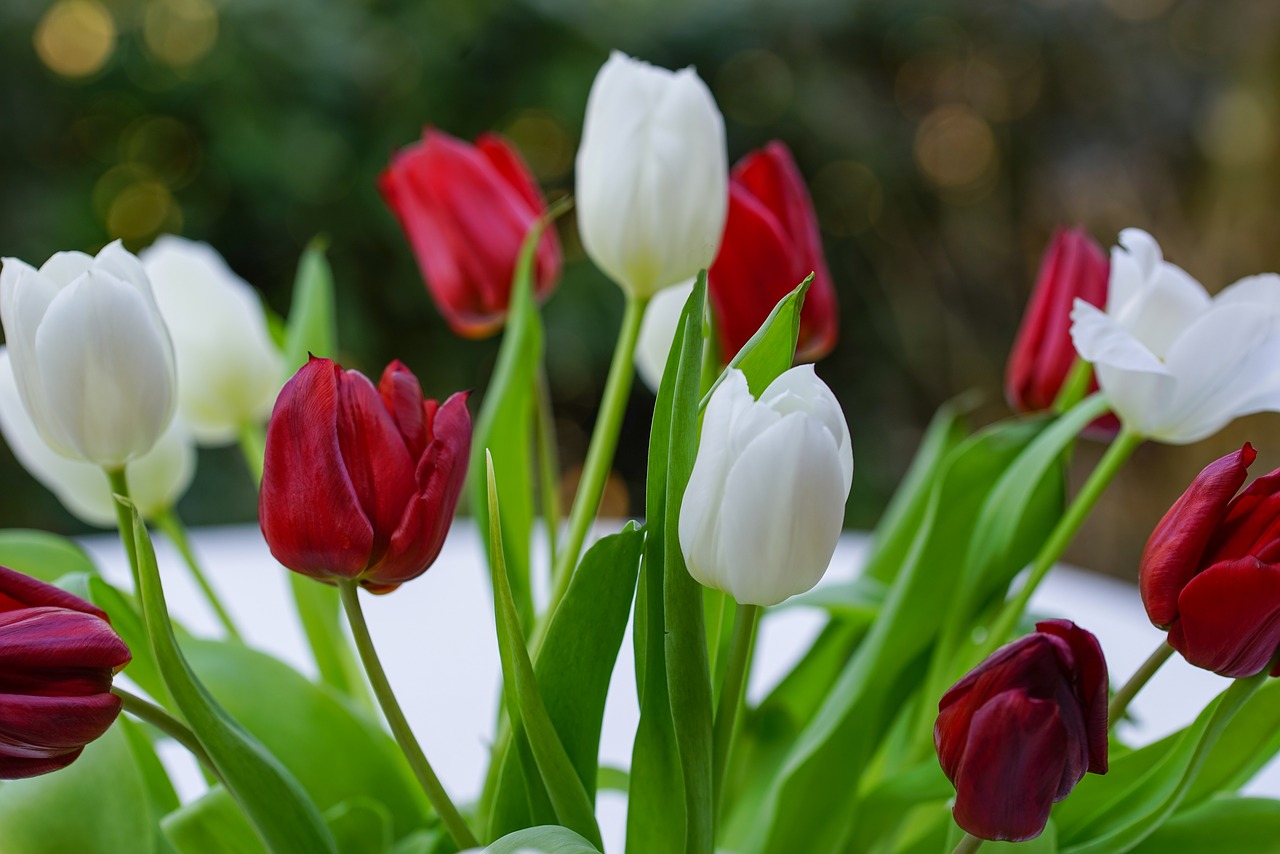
x,y
658,331
1262,289
800,390
1101,340
1169,302
63,268
1143,249
27,296
1141,399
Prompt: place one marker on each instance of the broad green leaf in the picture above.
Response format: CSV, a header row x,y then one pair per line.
x,y
211,824
279,809
542,840
613,779
574,667
360,826
160,794
312,328
858,599
565,790
771,351
1220,825
42,555
880,810
423,842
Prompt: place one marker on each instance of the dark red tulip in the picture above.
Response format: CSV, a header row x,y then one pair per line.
x,y
1074,266
466,210
1019,731
1210,573
361,483
770,244
58,654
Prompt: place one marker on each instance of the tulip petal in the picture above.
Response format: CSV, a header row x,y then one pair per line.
x,y
402,396
798,389
1103,341
23,591
1229,618
56,638
658,331
33,727
1088,668
1251,526
1262,289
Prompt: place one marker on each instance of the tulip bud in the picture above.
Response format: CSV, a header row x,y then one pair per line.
x,y
651,175
1210,573
361,483
58,655
658,332
771,243
765,502
1042,354
466,210
1178,365
1017,733
157,479
229,370
91,354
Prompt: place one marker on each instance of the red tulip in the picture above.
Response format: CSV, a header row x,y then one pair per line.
x,y
1018,732
1210,573
1042,356
466,210
58,654
770,244
361,483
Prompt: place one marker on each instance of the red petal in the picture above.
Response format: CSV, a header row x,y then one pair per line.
x,y
402,395
1175,550
1229,618
1252,525
48,728
1089,669
14,768
23,591
511,166
67,644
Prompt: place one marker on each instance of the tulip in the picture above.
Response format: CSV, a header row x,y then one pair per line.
x,y
1073,267
1210,573
765,502
229,370
1017,733
156,480
58,654
91,353
361,483
466,210
652,175
1177,365
658,332
771,243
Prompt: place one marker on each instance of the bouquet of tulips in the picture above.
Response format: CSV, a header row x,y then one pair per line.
x,y
931,714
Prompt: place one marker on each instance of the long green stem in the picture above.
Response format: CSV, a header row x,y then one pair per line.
x,y
172,526
124,521
1061,536
1074,387
253,445
449,815
544,432
167,724
968,845
731,695
1124,696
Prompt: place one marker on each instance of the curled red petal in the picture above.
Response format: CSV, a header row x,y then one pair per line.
x,y
402,396
1088,673
59,640
22,591
1252,524
39,731
1229,618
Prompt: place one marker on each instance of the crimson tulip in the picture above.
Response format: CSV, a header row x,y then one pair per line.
x,y
466,210
1018,732
360,483
770,244
58,655
1210,573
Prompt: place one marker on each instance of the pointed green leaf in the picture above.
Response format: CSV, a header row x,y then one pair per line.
x,y
771,351
542,840
313,327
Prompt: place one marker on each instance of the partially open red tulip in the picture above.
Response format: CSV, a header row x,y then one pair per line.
x,y
1018,732
361,483
771,242
58,655
466,210
1210,573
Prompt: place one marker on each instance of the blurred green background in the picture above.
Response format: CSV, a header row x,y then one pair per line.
x,y
942,141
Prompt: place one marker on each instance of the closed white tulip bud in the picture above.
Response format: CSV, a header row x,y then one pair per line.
x,y
90,352
652,175
229,370
765,503
157,479
658,333
1176,364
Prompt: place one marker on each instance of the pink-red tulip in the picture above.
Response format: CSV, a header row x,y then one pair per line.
x,y
1210,573
361,483
1018,732
58,654
466,210
770,244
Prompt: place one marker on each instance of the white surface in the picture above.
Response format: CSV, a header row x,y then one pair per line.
x,y
438,631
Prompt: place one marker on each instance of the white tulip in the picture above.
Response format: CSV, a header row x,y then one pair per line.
x,y
658,331
1176,364
229,370
156,480
765,503
652,175
91,354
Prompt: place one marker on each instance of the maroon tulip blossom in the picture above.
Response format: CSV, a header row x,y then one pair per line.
x,y
1210,573
1018,732
770,244
58,655
361,483
466,210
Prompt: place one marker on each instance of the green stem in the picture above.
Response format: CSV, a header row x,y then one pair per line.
x,y
1124,696
1061,536
167,724
124,521
968,845
169,523
731,695
544,433
449,815
1074,387
253,445
714,644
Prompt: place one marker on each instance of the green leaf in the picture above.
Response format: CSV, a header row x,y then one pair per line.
x,y
319,611
126,619
211,824
568,796
771,351
858,599
360,826
1219,825
279,809
313,327
613,779
543,840
42,555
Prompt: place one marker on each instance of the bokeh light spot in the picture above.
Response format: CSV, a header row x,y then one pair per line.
x,y
180,32
1237,131
954,147
140,210
544,143
75,38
